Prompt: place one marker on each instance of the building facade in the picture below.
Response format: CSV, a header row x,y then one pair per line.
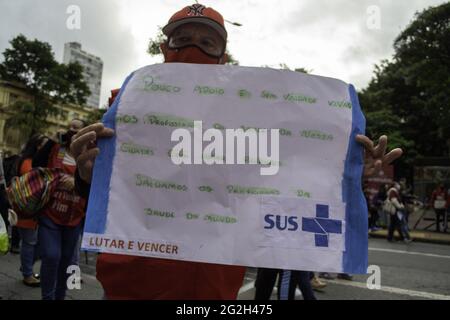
x,y
92,70
11,139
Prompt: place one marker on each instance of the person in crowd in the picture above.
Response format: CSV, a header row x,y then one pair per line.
x,y
316,283
372,210
60,222
10,170
288,280
378,201
438,201
28,228
397,221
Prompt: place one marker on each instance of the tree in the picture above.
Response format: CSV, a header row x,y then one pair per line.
x,y
154,48
409,96
32,63
95,116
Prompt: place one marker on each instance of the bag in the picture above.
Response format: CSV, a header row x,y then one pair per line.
x,y
30,193
389,207
4,240
12,218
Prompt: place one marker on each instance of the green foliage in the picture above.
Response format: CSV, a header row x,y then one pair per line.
x,y
154,44
95,116
409,97
30,118
32,63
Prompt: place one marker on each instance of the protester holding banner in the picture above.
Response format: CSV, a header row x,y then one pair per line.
x,y
60,222
28,228
196,34
202,42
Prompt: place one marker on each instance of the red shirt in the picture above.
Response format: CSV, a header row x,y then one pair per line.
x,y
439,194
140,278
66,208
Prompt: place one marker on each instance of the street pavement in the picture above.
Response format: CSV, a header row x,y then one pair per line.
x,y
413,271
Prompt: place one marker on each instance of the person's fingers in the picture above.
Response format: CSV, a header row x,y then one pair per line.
x,y
80,144
377,166
369,172
93,127
393,155
380,149
87,156
85,163
105,133
99,128
366,142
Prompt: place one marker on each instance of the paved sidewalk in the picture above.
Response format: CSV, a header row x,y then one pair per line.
x,y
12,288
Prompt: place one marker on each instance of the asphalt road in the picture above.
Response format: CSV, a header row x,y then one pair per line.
x,y
414,271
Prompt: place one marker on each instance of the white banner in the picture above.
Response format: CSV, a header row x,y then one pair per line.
x,y
306,212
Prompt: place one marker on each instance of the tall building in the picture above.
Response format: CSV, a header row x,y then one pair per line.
x,y
92,70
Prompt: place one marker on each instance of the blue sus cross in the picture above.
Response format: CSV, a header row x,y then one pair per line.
x,y
321,225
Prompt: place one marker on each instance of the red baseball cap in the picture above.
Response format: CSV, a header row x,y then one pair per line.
x,y
197,13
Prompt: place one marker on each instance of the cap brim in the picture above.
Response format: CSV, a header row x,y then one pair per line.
x,y
169,28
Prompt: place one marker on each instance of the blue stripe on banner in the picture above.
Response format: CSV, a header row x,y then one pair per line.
x,y
101,178
284,286
355,259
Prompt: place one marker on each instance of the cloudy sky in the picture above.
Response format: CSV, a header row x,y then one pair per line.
x,y
341,39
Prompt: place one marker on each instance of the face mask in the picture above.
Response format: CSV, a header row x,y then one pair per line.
x,y
190,54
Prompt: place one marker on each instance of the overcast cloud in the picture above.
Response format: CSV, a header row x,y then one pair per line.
x,y
331,38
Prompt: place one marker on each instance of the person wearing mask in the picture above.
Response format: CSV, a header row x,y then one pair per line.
x,y
195,34
438,202
28,228
61,220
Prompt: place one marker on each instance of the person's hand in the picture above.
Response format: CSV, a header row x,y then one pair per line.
x,y
84,148
376,156
67,182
